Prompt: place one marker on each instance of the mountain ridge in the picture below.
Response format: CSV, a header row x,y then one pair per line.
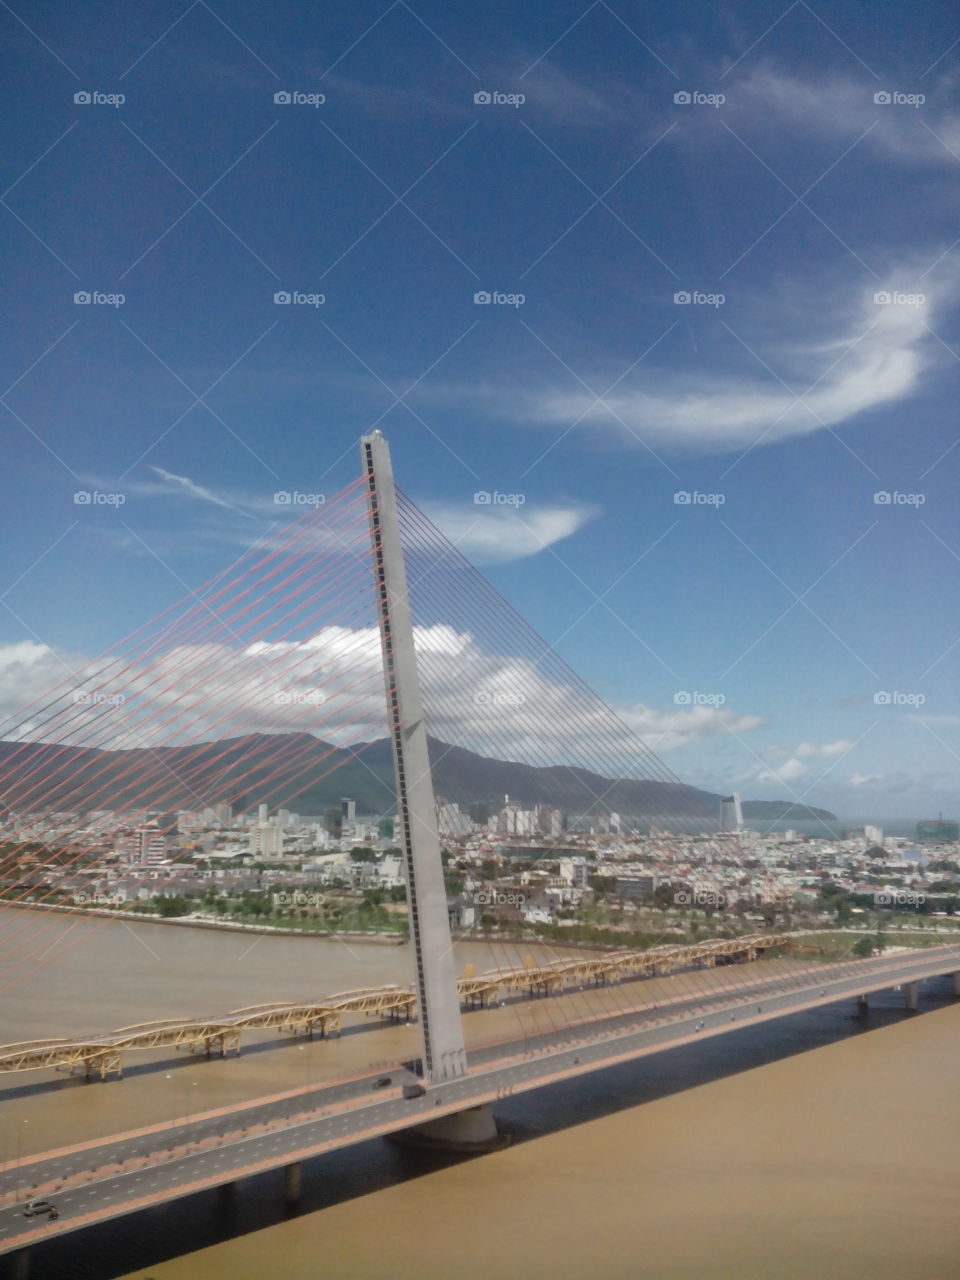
x,y
299,771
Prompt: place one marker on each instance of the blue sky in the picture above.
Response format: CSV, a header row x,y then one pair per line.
x,y
783,198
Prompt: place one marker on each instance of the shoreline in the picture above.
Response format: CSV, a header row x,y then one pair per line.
x,y
382,939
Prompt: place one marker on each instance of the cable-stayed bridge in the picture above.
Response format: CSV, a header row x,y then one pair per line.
x,y
357,622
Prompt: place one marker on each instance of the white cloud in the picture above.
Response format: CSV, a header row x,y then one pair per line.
x,y
807,749
27,671
191,488
666,730
331,685
790,771
871,355
765,98
490,534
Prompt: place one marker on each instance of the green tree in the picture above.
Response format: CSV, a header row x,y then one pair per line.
x,y
170,907
453,880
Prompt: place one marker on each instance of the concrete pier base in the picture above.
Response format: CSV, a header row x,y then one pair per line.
x,y
473,1130
292,1177
912,990
18,1265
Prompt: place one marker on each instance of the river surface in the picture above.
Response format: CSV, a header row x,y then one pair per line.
x,y
819,1145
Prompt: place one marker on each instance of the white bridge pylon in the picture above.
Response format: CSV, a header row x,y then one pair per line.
x,y
438,1002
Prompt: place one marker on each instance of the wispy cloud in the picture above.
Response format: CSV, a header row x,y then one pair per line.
x,y
768,100
846,354
193,490
821,749
667,730
491,534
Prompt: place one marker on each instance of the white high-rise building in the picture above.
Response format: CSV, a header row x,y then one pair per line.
x,y
452,821
151,846
731,814
514,821
549,821
266,840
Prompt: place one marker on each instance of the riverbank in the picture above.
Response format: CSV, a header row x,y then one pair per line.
x,y
388,938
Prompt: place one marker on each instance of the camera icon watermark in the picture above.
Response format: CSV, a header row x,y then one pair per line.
x,y
498,898
84,899
485,698
294,298
494,298
896,698
94,498
88,98
894,98
81,699
694,498
694,98
299,898
694,698
299,698
293,97
486,498
895,298
898,898
696,298
486,98
888,498
294,498
94,298
699,898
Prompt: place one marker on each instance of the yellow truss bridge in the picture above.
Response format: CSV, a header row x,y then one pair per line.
x,y
616,965
103,1055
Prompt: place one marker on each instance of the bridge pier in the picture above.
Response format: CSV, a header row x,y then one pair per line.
x,y
956,983
863,1005
912,990
19,1265
471,1130
292,1178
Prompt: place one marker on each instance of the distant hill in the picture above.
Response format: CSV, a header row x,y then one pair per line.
x,y
465,777
783,811
303,773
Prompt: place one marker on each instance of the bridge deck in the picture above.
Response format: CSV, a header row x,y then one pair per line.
x,y
130,1172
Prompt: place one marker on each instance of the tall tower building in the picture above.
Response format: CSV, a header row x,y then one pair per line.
x,y
151,846
731,814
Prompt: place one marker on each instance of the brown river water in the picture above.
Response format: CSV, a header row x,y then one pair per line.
x,y
819,1145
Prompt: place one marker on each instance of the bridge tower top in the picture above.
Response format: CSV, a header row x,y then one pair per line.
x,y
441,1028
